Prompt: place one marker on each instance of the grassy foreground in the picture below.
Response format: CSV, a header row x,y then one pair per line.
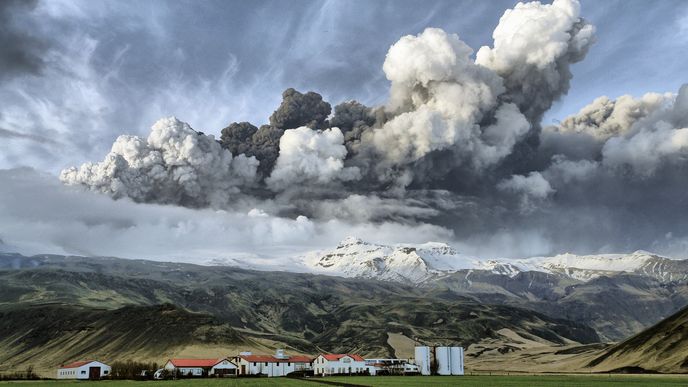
x,y
468,381
519,380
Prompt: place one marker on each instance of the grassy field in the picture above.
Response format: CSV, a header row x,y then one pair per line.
x,y
247,382
519,380
435,381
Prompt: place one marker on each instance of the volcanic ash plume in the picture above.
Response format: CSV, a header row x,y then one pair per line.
x,y
445,109
459,144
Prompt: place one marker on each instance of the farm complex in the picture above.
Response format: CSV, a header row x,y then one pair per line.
x,y
427,361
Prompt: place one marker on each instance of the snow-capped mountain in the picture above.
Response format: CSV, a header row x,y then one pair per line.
x,y
419,263
416,263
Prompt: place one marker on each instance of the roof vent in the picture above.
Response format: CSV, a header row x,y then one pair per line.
x,y
280,354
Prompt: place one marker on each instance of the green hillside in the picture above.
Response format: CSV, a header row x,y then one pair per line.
x,y
82,304
662,347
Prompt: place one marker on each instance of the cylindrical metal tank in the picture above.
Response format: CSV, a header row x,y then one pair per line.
x,y
443,356
423,360
456,354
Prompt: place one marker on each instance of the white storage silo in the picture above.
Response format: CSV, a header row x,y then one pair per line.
x,y
456,360
443,356
423,360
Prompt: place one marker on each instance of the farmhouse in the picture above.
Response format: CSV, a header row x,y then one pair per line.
x,y
277,365
333,364
201,367
89,369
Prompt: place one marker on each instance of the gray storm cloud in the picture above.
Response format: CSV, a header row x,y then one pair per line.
x,y
459,144
20,51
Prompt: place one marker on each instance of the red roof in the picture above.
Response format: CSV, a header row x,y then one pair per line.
x,y
195,362
272,359
337,356
77,364
300,359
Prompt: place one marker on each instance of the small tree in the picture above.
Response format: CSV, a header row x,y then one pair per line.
x,y
30,374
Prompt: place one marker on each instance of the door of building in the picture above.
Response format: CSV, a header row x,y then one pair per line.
x,y
94,373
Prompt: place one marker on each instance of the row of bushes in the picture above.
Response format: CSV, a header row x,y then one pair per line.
x,y
28,374
132,369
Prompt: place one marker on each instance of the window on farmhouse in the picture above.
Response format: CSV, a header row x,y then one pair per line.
x,y
266,363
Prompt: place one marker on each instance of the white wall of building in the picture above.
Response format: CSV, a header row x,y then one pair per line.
x,y
423,360
283,367
184,371
221,366
83,372
344,365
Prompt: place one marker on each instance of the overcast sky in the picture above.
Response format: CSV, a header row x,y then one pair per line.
x,y
76,74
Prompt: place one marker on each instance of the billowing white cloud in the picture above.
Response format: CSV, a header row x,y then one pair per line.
x,y
441,96
628,134
311,157
533,185
605,118
532,188
569,171
645,150
174,165
534,44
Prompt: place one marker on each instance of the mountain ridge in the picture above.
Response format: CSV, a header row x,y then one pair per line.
x,y
616,304
354,257
300,312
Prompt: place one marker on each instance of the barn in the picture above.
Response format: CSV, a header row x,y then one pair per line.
x,y
88,369
201,367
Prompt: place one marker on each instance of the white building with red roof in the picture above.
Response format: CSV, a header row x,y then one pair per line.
x,y
339,364
88,369
201,367
269,365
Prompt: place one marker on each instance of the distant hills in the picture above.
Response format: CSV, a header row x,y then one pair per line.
x,y
52,334
616,294
662,347
55,309
102,307
428,262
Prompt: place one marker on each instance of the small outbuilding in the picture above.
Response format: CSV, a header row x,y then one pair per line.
x,y
84,370
201,367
